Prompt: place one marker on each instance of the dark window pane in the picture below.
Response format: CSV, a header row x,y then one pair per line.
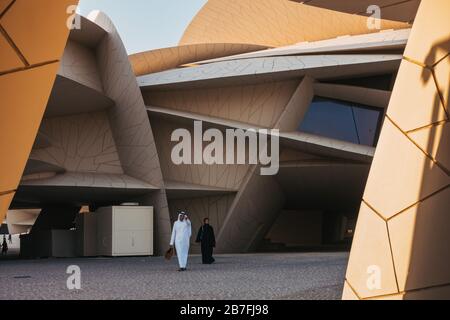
x,y
342,121
367,124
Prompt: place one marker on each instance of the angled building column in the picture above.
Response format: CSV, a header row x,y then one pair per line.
x,y
130,124
28,65
402,226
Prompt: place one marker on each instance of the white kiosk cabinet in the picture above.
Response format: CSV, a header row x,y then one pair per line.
x,y
125,231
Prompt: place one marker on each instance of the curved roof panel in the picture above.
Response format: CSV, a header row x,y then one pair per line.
x,y
272,68
373,42
405,10
169,58
273,23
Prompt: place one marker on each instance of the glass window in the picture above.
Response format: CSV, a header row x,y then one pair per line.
x,y
342,120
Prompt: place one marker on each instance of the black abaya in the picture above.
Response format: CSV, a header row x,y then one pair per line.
x,y
208,241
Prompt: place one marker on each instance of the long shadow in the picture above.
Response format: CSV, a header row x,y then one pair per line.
x,y
429,266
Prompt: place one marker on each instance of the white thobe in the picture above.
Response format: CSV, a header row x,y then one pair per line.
x,y
181,234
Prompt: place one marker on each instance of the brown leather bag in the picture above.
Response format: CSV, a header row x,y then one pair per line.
x,y
169,253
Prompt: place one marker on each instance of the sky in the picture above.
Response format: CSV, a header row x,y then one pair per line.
x,y
146,24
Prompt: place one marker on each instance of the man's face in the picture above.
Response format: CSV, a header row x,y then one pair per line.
x,y
182,218
206,221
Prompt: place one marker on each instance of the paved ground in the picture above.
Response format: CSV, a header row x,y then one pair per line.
x,y
251,276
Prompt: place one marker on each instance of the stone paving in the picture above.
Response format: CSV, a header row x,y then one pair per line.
x,y
251,276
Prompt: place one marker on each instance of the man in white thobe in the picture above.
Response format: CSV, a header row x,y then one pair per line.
x,y
181,234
